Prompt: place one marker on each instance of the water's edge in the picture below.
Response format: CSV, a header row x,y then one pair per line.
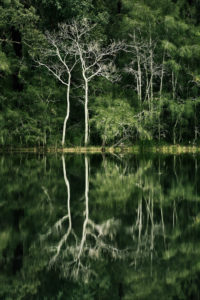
x,y
167,149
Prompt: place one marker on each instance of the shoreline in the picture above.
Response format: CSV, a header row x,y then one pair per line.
x,y
167,149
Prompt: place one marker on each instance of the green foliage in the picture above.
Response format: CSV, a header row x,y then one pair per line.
x,y
169,47
4,63
116,120
33,105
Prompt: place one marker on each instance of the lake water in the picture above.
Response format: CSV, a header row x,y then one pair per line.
x,y
99,227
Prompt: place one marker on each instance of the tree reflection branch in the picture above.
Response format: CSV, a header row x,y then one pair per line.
x,y
74,255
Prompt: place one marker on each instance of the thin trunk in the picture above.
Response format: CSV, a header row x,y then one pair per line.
x,y
147,97
151,78
174,84
138,74
174,135
180,134
161,88
195,124
151,70
137,84
86,114
162,75
45,164
174,132
68,110
139,77
140,82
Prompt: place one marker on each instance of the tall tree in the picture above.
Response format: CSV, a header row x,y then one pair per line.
x,y
59,58
95,59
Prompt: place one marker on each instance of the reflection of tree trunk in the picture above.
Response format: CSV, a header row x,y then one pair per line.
x,y
174,217
68,216
161,208
68,193
84,232
86,184
152,221
139,223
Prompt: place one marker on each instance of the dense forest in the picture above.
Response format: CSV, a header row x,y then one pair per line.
x,y
106,72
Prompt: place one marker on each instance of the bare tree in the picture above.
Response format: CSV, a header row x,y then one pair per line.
x,y
59,58
143,66
95,59
137,49
70,44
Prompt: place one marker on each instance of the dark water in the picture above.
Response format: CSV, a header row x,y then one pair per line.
x,y
99,227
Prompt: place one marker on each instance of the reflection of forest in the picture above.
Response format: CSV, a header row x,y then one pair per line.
x,y
109,227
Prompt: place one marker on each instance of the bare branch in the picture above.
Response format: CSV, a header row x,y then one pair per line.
x,y
55,73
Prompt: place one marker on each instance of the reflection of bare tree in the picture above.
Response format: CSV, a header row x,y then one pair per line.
x,y
74,253
59,224
68,216
114,187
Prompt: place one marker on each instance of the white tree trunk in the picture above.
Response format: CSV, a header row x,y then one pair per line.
x,y
151,78
151,70
195,125
139,76
161,88
86,114
147,96
68,110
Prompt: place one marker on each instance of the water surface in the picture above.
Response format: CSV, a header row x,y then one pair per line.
x,y
99,227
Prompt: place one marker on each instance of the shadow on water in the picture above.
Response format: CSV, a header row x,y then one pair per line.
x,y
99,227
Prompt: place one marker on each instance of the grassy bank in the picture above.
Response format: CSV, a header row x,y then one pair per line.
x,y
160,149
